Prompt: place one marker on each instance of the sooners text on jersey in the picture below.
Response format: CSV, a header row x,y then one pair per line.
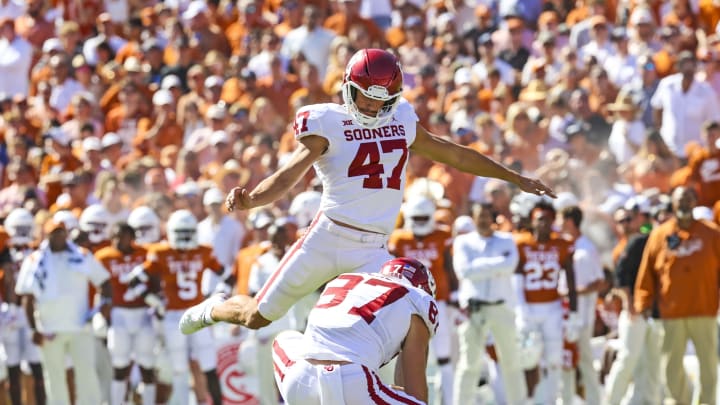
x,y
363,170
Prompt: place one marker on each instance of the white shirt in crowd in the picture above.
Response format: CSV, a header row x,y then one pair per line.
x,y
684,113
60,287
11,9
225,238
63,93
15,61
588,269
623,134
621,69
315,45
484,267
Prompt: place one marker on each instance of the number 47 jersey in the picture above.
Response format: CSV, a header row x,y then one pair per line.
x,y
363,169
364,318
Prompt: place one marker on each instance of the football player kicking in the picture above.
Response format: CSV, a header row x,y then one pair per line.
x,y
359,150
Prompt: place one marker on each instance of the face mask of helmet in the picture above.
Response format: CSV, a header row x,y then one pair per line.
x,y
146,234
183,239
97,232
20,235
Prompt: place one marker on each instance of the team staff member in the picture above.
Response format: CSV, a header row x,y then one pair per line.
x,y
679,269
53,282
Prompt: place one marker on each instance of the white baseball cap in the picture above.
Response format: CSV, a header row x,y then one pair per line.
x,y
564,200
110,139
219,137
162,97
169,82
58,135
216,112
214,81
52,44
92,143
213,196
194,9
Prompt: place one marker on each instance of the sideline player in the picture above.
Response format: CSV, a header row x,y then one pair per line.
x,y
359,150
131,336
360,323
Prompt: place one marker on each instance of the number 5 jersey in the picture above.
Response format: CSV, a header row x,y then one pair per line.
x,y
363,169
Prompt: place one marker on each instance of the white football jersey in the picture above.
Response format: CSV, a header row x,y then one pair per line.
x,y
364,318
363,170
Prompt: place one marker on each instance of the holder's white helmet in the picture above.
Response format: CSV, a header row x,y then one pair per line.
x,y
146,224
20,226
182,230
419,213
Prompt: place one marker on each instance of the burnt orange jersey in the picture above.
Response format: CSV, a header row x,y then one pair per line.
x,y
541,264
705,169
429,250
119,265
180,272
94,248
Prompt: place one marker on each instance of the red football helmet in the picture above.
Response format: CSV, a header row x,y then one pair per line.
x,y
411,271
377,75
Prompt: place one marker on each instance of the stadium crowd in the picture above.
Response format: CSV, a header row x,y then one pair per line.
x,y
125,122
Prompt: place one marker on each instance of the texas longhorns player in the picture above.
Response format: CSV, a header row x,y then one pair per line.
x,y
543,255
361,322
15,334
424,241
130,336
177,267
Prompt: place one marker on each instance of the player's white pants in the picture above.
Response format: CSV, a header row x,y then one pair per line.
x,y
325,251
131,337
17,339
302,383
3,368
547,319
472,335
199,346
638,359
80,346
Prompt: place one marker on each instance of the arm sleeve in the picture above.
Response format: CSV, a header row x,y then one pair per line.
x,y
308,122
644,291
97,273
24,282
629,263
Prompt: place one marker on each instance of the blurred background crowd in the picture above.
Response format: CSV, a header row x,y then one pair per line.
x,y
121,104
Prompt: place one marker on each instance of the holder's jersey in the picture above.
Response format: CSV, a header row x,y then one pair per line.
x,y
364,318
541,264
363,170
181,272
119,265
430,250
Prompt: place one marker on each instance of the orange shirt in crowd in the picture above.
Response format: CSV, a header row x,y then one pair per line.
x,y
705,177
181,272
52,164
541,263
683,281
430,250
244,260
120,265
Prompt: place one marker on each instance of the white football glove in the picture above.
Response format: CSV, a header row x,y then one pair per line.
x,y
99,325
572,327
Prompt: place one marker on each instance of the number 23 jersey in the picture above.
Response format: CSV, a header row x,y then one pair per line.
x,y
540,264
364,318
363,169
